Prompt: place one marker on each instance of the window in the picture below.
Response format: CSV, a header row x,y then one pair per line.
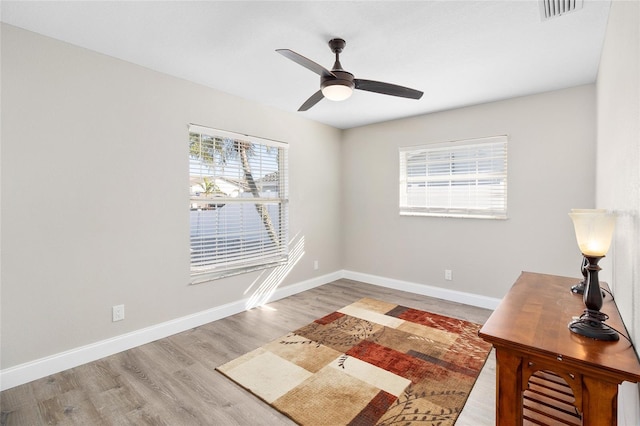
x,y
238,203
456,179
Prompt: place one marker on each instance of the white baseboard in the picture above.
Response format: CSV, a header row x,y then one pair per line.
x,y
628,403
424,289
29,371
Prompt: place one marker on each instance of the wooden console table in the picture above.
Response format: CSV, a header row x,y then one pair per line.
x,y
545,373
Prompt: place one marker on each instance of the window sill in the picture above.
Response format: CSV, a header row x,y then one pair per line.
x,y
456,215
205,277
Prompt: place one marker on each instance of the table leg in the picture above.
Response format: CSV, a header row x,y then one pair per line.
x,y
600,402
508,388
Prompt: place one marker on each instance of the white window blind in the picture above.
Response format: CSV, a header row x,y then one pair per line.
x,y
238,203
465,178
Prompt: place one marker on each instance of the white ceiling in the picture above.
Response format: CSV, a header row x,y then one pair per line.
x,y
457,52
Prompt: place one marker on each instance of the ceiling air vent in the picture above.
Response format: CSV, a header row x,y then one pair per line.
x,y
554,8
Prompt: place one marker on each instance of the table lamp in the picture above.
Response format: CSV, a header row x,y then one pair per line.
x,y
594,231
579,287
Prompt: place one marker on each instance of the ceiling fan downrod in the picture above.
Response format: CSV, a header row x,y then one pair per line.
x,y
336,45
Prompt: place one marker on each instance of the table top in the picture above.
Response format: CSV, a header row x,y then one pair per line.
x,y
533,318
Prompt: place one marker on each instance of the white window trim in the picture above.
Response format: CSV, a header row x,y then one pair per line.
x,y
406,209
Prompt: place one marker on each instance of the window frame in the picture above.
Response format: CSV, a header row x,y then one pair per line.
x,y
245,261
481,178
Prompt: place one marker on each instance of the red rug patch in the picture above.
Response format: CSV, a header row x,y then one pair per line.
x,y
396,362
376,409
328,319
432,320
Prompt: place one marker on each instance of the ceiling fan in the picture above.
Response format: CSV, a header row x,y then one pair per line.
x,y
338,84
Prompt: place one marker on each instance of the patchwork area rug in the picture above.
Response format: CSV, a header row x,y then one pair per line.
x,y
369,363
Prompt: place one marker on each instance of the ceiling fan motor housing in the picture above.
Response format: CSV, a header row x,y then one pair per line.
x,y
342,78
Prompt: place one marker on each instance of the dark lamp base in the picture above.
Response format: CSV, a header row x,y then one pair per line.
x,y
590,325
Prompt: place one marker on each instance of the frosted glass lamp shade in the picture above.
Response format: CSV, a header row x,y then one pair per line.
x,y
594,230
337,92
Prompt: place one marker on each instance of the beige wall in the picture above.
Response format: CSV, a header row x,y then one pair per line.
x,y
618,169
551,155
94,195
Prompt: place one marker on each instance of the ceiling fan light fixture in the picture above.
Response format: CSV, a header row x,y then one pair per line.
x,y
339,86
337,92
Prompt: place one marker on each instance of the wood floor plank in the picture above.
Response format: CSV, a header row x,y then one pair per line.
x,y
26,415
114,405
16,397
158,388
56,384
173,381
168,356
79,409
51,411
97,377
143,416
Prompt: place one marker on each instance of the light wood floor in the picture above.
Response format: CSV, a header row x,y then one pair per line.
x,y
173,382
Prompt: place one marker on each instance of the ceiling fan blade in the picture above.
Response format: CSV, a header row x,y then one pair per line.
x,y
387,89
305,62
314,99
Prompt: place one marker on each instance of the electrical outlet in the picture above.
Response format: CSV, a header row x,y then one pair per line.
x,y
448,275
316,265
117,313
